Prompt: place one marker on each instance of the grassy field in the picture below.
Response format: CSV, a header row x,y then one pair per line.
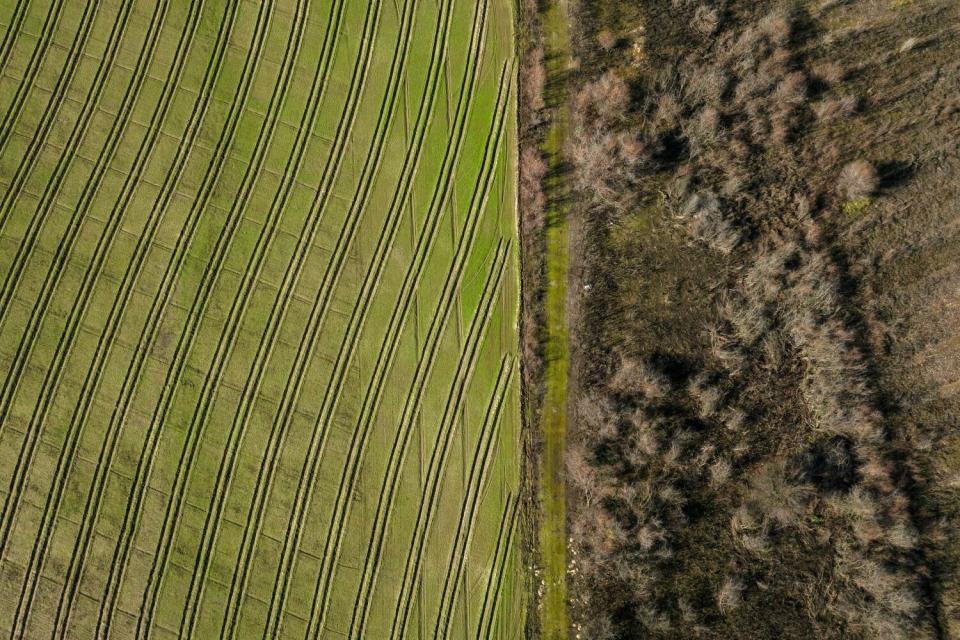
x,y
258,320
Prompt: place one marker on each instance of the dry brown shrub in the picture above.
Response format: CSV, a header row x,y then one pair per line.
x,y
777,27
635,376
605,100
705,222
707,396
858,179
791,91
720,472
533,79
606,39
778,498
829,72
705,20
835,108
730,594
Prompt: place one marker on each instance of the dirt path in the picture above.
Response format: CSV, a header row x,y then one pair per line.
x,y
553,534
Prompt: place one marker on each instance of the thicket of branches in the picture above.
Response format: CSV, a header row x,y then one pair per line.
x,y
766,472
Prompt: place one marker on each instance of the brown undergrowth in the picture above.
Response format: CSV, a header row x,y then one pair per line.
x,y
742,466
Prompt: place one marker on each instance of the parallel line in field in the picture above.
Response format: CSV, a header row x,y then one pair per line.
x,y
117,311
91,276
344,130
160,303
334,388
373,395
491,594
317,317
228,336
294,383
479,469
50,283
50,23
14,274
466,366
398,450
331,36
249,393
278,311
16,187
13,30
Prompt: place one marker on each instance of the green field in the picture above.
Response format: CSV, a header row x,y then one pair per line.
x,y
258,320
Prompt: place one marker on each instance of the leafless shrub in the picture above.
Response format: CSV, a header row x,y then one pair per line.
x,y
635,376
650,534
606,164
600,627
724,349
582,475
667,112
829,72
705,87
746,316
703,131
778,498
705,222
606,39
908,45
734,419
730,595
887,603
532,81
604,100
835,108
901,536
705,20
720,472
596,415
858,179
532,168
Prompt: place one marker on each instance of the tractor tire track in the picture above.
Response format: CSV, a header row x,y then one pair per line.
x,y
307,238
401,440
486,444
115,317
305,354
52,276
438,455
52,375
50,23
491,594
334,388
13,30
277,314
228,336
91,382
160,304
373,395
78,310
31,156
344,130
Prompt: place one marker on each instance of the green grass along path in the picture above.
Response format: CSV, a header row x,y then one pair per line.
x,y
553,550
